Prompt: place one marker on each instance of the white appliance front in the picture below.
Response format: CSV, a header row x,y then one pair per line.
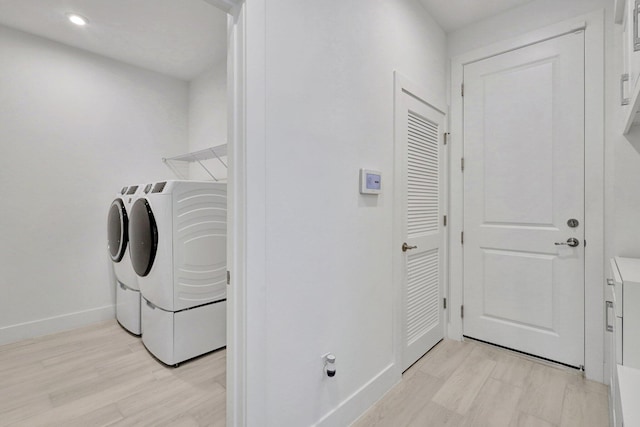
x,y
178,250
127,289
173,337
179,242
128,309
118,233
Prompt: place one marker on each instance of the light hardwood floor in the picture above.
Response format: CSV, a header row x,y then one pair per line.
x,y
472,384
102,376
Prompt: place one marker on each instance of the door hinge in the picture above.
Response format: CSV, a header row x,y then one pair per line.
x,y
228,277
462,311
462,237
585,243
446,137
462,164
445,221
444,303
461,89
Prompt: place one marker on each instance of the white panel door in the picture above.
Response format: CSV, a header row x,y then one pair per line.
x,y
421,154
523,181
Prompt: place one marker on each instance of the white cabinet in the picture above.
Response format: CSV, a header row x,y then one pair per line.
x,y
630,46
623,338
630,76
627,310
629,392
613,344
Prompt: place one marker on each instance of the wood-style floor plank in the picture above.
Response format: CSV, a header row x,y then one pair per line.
x,y
434,415
544,392
495,405
103,376
105,416
444,358
513,370
582,407
461,389
481,385
522,419
404,401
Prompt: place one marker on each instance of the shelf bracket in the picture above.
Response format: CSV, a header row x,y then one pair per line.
x,y
216,152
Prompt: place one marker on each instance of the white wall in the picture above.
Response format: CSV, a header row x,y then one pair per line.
x,y
520,20
322,278
74,129
208,118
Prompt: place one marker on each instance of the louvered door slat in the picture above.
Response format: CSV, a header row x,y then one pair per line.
x,y
423,175
423,203
422,293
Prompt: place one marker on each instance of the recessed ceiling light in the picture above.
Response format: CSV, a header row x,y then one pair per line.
x,y
77,19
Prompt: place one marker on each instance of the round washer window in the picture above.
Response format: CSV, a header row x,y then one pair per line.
x,y
117,230
143,237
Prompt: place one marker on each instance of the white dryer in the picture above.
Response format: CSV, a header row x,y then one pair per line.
x,y
127,289
178,240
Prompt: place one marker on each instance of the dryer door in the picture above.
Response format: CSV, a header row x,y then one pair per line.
x,y
117,226
143,234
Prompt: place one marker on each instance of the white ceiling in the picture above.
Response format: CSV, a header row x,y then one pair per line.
x,y
455,14
179,38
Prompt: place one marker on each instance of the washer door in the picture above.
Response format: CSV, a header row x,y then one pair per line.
x,y
143,234
117,226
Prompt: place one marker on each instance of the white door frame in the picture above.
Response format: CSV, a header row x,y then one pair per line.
x,y
403,84
246,304
236,331
245,121
593,24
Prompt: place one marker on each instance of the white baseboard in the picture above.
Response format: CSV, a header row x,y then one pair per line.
x,y
51,325
356,404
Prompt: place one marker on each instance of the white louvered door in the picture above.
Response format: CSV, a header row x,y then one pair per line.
x,y
421,149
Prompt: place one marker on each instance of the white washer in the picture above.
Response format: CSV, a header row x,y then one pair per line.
x,y
127,289
178,239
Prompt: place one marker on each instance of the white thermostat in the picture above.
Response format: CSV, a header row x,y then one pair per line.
x,y
370,182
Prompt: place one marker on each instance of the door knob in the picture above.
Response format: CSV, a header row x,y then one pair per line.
x,y
406,247
571,241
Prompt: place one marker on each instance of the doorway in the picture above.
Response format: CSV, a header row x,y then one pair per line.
x,y
524,199
592,25
420,237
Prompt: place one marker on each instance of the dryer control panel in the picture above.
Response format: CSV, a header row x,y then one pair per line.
x,y
159,187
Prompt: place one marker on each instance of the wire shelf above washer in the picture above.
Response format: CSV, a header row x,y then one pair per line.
x,y
216,152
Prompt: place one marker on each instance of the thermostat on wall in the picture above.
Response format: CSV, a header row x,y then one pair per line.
x,y
370,182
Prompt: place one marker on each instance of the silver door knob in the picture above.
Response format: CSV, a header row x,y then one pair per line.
x,y
406,247
571,241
